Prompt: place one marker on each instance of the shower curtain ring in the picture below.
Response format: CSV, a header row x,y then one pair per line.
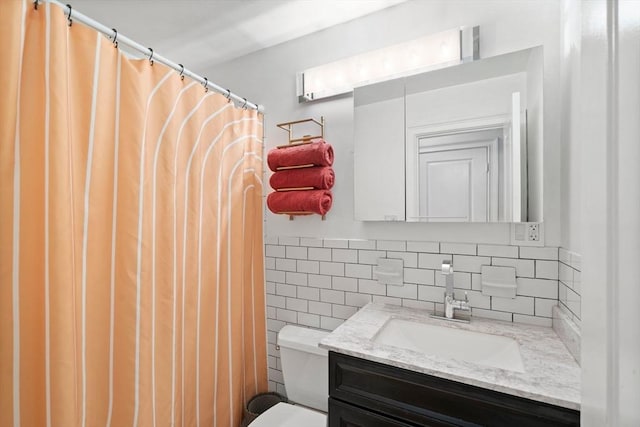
x,y
69,17
115,38
181,71
244,106
206,84
35,4
228,95
151,56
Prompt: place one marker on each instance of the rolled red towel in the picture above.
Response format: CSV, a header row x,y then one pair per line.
x,y
317,153
316,201
319,177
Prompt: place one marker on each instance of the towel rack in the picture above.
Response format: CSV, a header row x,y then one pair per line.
x,y
288,126
306,139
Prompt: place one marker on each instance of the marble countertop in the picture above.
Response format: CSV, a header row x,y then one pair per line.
x,y
550,374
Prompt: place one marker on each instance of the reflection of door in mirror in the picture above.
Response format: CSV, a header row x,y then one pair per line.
x,y
488,160
459,176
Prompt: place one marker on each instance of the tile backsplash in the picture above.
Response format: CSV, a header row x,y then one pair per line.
x,y
319,283
570,283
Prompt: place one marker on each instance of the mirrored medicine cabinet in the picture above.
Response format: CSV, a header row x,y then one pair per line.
x,y
457,144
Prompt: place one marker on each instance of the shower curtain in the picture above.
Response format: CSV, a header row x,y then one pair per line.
x,y
131,264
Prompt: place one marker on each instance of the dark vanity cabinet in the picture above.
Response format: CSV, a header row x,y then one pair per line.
x,y
369,394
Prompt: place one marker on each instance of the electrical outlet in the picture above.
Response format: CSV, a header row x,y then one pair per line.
x,y
527,234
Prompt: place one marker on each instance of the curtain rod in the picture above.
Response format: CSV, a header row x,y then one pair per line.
x,y
116,37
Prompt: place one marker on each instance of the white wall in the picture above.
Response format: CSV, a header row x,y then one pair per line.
x,y
601,101
268,77
629,212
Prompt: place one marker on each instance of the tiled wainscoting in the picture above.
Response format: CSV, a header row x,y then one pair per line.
x,y
570,276
320,282
566,317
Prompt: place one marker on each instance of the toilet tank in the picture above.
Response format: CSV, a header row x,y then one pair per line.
x,y
304,366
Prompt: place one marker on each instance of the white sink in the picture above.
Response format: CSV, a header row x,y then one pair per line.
x,y
476,347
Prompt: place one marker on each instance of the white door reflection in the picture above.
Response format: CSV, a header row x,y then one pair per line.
x,y
458,177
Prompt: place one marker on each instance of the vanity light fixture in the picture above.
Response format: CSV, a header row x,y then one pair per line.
x,y
434,51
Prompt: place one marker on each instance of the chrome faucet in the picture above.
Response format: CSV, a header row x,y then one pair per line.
x,y
450,303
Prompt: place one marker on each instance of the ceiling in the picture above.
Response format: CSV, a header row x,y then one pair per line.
x,y
203,33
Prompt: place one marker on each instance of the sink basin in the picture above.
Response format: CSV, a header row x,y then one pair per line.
x,y
475,347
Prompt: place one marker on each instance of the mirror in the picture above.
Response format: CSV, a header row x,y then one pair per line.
x,y
458,144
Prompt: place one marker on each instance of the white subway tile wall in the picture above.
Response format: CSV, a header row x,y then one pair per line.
x,y
319,283
570,282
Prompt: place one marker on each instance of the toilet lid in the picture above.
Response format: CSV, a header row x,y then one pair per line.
x,y
287,415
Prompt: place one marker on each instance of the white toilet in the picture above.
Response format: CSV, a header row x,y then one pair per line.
x,y
305,369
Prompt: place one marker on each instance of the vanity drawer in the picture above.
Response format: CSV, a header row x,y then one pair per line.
x,y
344,415
421,399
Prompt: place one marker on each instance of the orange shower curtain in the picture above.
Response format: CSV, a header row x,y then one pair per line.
x,y
131,264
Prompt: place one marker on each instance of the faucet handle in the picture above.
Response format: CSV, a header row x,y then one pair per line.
x,y
466,296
